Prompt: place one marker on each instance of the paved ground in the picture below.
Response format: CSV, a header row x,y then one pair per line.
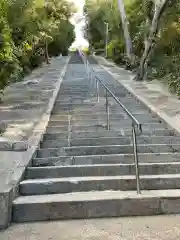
x,y
25,102
137,228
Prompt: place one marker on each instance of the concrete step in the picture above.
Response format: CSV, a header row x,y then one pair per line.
x,y
101,131
97,204
101,170
98,111
106,149
84,106
108,141
115,149
95,104
98,183
75,101
119,123
73,88
106,159
94,116
70,93
100,127
55,143
80,101
124,97
133,108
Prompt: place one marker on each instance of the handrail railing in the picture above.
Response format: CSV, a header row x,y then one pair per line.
x,y
135,122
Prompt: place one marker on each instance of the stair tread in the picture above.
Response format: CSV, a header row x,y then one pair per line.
x,y
118,125
118,145
120,130
146,138
103,165
96,195
96,178
114,155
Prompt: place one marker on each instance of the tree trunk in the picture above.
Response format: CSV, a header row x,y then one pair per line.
x,y
46,52
150,38
144,62
125,24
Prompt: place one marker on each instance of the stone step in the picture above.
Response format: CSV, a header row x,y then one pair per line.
x,y
101,131
121,123
73,106
73,88
98,183
65,94
77,100
99,127
113,117
106,149
115,149
108,141
97,204
94,104
101,170
106,159
51,134
78,92
132,109
55,143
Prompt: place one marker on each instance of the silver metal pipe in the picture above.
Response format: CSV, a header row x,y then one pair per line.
x,y
134,120
90,77
88,70
136,162
107,110
97,90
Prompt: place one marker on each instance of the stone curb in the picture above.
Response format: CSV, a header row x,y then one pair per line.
x,y
9,187
162,115
8,145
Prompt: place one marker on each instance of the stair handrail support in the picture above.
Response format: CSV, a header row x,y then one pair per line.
x,y
135,122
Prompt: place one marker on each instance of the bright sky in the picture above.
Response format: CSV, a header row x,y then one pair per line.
x,y
79,41
79,4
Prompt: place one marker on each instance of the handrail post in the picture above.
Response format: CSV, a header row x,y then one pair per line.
x,y
90,76
97,90
136,162
87,64
107,111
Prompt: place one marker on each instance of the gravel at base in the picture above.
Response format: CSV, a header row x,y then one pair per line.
x,y
131,228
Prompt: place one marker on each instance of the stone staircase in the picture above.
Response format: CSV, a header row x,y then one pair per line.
x,y
82,170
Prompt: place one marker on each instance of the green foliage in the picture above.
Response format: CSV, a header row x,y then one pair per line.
x,y
116,51
164,63
25,27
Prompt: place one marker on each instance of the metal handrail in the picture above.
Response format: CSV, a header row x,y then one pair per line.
x,y
135,122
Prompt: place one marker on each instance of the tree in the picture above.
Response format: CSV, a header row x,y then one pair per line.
x,y
145,31
159,7
27,30
125,26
